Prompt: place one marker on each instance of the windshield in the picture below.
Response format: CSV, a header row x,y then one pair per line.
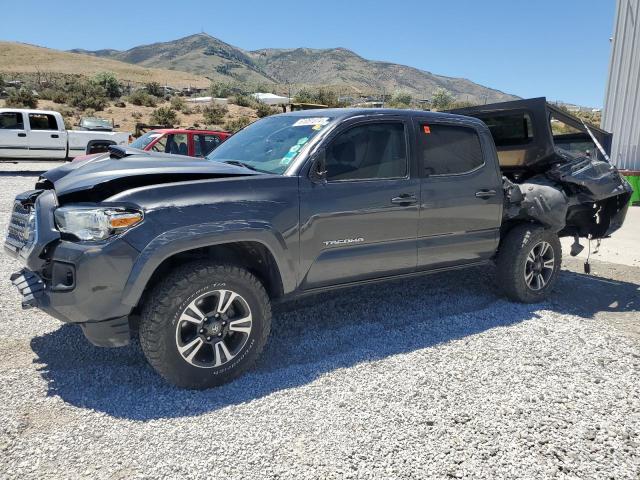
x,y
95,123
145,139
271,144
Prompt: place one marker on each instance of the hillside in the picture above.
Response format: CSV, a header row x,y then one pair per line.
x,y
205,55
343,67
199,54
23,58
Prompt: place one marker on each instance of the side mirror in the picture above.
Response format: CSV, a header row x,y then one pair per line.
x,y
318,172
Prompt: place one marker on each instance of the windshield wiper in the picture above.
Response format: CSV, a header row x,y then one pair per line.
x,y
243,164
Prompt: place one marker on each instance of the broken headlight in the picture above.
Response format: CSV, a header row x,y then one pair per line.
x,y
95,223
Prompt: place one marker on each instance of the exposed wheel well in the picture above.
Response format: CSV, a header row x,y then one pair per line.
x,y
253,256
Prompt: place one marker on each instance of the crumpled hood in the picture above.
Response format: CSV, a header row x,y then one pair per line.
x,y
106,175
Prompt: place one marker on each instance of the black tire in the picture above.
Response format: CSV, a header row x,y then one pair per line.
x,y
162,323
515,275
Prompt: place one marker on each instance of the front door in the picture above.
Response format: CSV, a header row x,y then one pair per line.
x,y
46,138
461,195
361,224
14,142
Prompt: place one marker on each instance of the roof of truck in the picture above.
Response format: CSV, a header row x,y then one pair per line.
x,y
344,113
29,110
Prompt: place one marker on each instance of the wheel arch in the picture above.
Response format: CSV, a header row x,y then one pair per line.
x,y
253,255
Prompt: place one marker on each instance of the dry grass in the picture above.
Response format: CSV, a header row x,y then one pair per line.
x,y
23,58
124,117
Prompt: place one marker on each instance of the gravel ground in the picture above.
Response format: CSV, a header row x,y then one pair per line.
x,y
431,378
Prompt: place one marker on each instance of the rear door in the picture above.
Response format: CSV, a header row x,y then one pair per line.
x,y
47,139
362,223
14,142
461,195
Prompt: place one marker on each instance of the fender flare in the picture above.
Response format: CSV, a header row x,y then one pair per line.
x,y
191,237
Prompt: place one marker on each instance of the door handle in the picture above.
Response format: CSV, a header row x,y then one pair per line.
x,y
405,199
22,134
55,135
486,194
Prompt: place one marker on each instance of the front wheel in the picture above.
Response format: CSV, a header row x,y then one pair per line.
x,y
528,263
205,324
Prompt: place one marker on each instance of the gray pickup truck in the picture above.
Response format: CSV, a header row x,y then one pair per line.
x,y
191,252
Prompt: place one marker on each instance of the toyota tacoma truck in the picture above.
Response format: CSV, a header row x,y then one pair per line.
x,y
190,253
41,134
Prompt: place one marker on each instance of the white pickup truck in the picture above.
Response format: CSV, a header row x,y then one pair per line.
x,y
42,134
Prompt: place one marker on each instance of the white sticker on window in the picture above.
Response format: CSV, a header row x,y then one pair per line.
x,y
306,122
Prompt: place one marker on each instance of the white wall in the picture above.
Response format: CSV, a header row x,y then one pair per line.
x,y
621,114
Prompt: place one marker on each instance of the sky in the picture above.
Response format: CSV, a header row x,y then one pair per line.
x,y
554,48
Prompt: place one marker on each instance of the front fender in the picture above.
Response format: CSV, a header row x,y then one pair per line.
x,y
192,237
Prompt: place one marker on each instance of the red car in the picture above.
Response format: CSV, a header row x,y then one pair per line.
x,y
179,141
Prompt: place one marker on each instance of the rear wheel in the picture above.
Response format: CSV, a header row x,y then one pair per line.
x,y
205,324
528,263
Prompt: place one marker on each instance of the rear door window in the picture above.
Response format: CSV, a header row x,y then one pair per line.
x,y
42,121
448,149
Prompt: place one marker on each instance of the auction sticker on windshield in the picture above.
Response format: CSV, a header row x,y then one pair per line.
x,y
307,122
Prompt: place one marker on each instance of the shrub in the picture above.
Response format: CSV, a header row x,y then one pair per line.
x,y
321,96
164,116
221,90
155,89
83,95
441,99
237,124
402,98
264,110
22,98
178,103
109,82
214,114
137,115
142,98
67,115
243,100
54,94
120,104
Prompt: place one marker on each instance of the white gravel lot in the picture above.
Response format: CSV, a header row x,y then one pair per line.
x,y
431,378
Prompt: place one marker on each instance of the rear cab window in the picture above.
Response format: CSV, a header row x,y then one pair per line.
x,y
510,129
448,149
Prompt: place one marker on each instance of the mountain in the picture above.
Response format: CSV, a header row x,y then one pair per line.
x,y
342,67
201,54
337,67
20,58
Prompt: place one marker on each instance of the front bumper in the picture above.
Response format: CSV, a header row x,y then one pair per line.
x,y
73,282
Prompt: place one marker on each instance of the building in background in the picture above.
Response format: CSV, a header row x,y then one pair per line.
x,y
621,114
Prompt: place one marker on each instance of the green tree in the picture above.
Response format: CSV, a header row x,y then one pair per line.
x,y
109,82
23,98
221,90
164,116
441,99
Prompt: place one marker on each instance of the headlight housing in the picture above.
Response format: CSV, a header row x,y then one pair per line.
x,y
95,223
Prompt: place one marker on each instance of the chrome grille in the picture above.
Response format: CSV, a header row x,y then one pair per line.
x,y
18,231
